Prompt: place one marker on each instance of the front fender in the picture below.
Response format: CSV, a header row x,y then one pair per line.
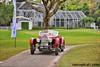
x,y
62,42
32,41
55,42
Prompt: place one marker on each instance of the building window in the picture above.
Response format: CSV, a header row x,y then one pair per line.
x,y
62,22
39,24
57,22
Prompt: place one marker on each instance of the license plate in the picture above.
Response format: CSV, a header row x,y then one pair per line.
x,y
43,47
44,44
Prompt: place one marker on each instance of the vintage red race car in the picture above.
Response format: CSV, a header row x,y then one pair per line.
x,y
48,40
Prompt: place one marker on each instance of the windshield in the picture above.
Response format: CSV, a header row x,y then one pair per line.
x,y
49,33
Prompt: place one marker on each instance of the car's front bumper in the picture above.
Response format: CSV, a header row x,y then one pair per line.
x,y
46,48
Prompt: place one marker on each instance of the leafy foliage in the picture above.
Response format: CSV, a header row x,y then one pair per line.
x,y
6,13
98,21
84,7
87,20
97,13
96,16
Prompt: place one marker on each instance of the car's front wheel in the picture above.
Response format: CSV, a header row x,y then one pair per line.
x,y
32,49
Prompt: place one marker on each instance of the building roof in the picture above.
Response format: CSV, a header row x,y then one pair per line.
x,y
28,6
69,15
24,18
24,6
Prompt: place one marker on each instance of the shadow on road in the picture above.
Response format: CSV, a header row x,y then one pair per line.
x,y
44,53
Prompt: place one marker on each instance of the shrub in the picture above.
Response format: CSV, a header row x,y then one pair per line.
x,y
87,21
98,22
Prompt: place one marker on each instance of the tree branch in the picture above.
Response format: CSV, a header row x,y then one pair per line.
x,y
35,7
62,1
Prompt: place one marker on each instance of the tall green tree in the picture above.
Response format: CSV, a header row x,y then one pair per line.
x,y
96,13
6,13
84,7
91,6
86,21
98,22
70,5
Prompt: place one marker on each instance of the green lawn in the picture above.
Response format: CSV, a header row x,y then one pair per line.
x,y
84,56
72,37
80,36
7,43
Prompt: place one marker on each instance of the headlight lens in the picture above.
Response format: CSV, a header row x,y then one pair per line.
x,y
38,40
50,40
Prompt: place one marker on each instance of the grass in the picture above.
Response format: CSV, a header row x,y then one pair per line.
x,y
7,47
72,37
80,36
84,56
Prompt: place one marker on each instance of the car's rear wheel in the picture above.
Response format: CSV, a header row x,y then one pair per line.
x,y
56,51
62,46
62,49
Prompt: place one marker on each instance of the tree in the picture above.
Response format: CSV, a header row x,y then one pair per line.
x,y
37,1
87,6
48,9
98,22
6,13
97,13
75,5
70,5
84,7
98,19
86,21
91,6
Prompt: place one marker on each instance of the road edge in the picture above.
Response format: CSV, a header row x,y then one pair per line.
x,y
55,61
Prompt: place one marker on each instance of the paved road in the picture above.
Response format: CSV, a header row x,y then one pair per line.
x,y
24,59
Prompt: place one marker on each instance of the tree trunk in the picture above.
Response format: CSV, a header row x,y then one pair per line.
x,y
91,7
46,19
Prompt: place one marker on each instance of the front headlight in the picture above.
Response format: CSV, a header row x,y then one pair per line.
x,y
38,40
50,40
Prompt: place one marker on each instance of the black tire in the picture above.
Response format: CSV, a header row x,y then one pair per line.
x,y
56,51
32,52
32,49
62,49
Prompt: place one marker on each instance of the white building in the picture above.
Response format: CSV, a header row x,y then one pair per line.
x,y
27,15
